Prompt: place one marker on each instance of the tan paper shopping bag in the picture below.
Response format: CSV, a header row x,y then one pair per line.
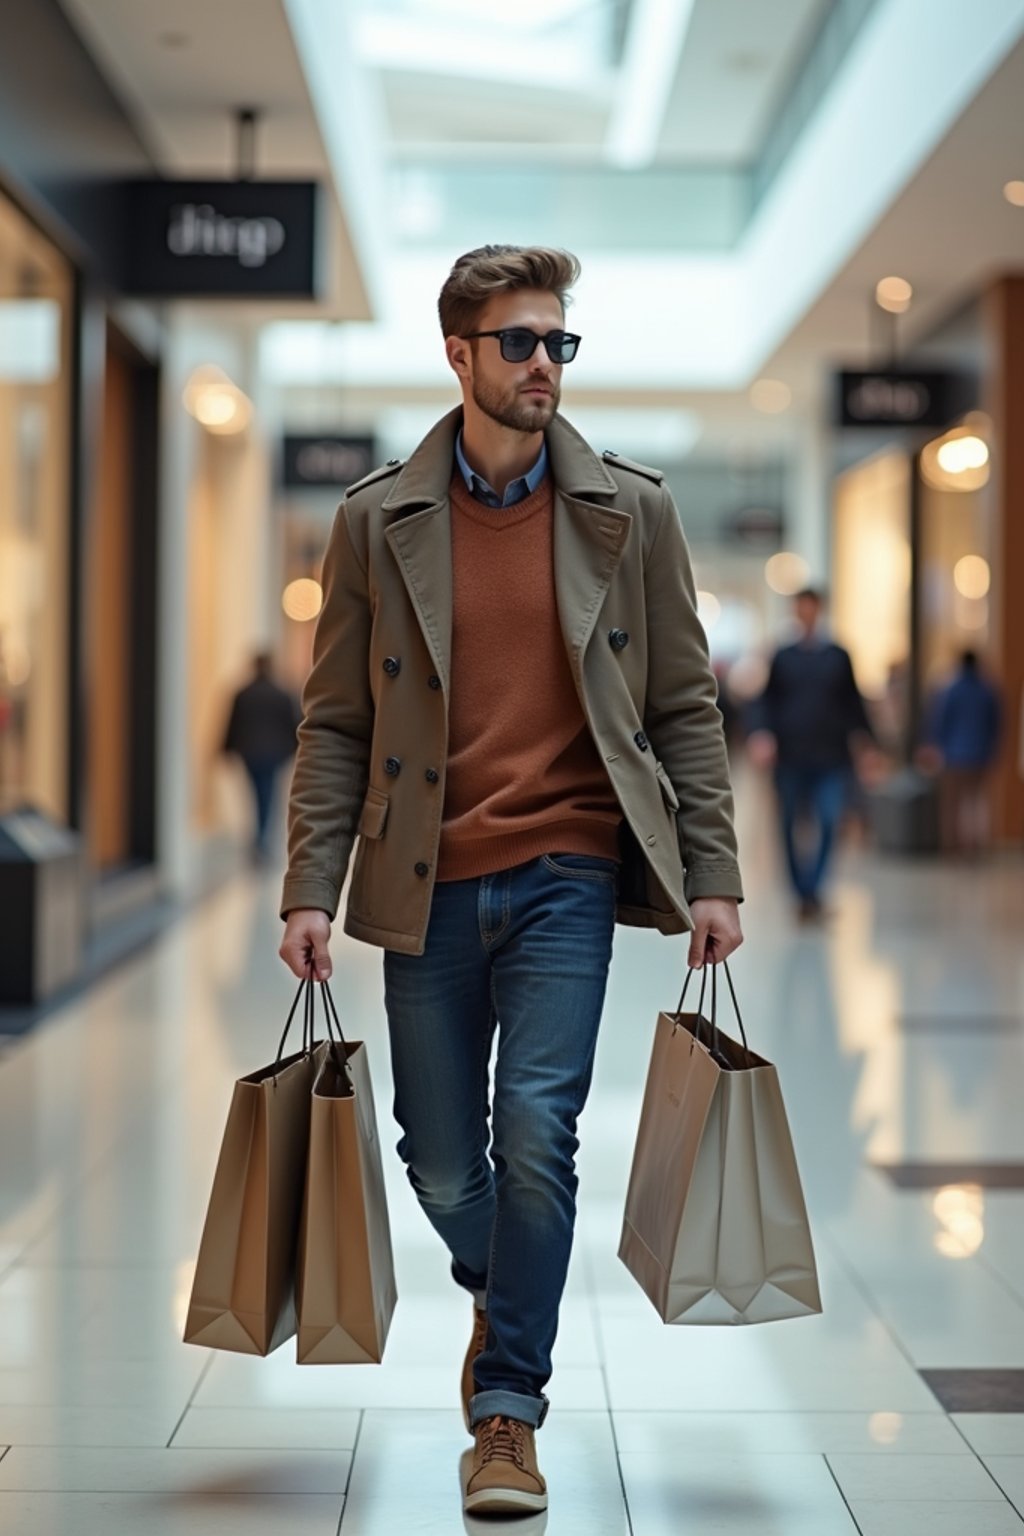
x,y
346,1274
715,1227
243,1294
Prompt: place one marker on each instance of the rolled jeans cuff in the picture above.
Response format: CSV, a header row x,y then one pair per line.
x,y
511,1405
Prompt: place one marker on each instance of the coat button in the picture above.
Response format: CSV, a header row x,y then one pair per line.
x,y
432,775
422,870
392,666
651,840
618,639
434,680
392,766
641,741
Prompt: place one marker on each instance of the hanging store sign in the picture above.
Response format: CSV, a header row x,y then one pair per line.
x,y
222,239
886,398
326,462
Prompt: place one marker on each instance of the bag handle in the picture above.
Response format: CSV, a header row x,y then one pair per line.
x,y
306,993
714,1002
339,1046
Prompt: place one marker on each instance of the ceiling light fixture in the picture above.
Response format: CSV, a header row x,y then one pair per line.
x,y
771,396
1014,193
894,295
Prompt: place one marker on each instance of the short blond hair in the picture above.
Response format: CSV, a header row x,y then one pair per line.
x,y
492,269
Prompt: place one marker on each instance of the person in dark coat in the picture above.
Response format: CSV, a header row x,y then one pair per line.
x,y
261,731
802,727
963,729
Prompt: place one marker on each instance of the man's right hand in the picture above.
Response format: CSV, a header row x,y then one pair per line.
x,y
307,934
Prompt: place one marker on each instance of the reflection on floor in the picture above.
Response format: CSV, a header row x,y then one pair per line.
x,y
110,1119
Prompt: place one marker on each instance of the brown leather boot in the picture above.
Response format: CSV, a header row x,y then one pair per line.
x,y
504,1479
476,1347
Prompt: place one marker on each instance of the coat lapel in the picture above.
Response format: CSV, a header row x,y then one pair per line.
x,y
588,544
422,546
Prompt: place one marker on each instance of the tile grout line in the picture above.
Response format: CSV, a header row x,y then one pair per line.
x,y
997,1484
351,1470
595,1318
191,1397
842,1495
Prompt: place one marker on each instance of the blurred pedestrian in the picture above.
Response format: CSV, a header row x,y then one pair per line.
x,y
802,726
963,730
261,731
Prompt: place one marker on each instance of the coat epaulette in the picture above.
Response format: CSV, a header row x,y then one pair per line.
x,y
618,461
383,473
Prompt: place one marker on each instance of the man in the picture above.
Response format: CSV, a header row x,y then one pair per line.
x,y
804,720
261,731
963,731
511,703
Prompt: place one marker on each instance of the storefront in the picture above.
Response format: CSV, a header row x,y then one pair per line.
x,y
36,340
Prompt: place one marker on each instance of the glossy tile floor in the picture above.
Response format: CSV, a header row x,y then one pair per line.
x,y
898,1033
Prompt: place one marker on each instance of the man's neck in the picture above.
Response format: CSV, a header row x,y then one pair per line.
x,y
498,454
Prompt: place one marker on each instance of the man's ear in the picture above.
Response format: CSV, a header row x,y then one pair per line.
x,y
457,352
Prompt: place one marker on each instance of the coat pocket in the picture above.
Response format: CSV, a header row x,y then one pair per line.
x,y
374,814
671,798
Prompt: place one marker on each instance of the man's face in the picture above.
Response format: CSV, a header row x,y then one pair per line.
x,y
808,611
523,396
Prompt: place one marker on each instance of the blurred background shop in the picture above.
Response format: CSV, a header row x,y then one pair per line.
x,y
802,235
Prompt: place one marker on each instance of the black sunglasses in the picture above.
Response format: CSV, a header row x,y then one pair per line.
x,y
518,343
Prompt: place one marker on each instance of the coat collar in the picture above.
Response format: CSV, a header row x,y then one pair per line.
x,y
575,467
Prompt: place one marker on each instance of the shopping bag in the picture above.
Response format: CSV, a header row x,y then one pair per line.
x,y
243,1293
346,1273
715,1227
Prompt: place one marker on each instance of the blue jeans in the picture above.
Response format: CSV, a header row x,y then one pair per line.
x,y
817,795
525,951
263,777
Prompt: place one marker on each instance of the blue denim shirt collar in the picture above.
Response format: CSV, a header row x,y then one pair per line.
x,y
515,491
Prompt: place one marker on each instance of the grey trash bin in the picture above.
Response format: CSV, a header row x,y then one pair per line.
x,y
905,813
42,906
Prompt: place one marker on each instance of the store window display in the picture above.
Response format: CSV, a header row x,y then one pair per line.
x,y
35,310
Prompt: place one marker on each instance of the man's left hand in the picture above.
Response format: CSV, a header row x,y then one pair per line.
x,y
716,933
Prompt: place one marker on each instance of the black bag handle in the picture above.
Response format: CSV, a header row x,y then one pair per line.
x,y
714,1002
305,992
339,1046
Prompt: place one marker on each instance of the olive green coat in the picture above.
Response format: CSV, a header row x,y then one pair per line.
x,y
373,741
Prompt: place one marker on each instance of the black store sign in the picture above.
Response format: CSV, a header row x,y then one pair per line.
x,y
889,399
326,462
222,239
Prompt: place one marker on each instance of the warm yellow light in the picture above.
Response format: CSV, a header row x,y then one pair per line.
x,y
960,1208
215,402
17,663
709,609
885,1428
894,294
302,599
971,576
786,573
960,454
1014,193
771,396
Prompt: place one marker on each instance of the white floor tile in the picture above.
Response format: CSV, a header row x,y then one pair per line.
x,y
692,1495
759,1434
332,1429
73,1469
125,1514
885,1479
106,1384
931,1518
990,1434
59,1424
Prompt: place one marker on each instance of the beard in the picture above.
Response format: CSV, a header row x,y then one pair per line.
x,y
511,409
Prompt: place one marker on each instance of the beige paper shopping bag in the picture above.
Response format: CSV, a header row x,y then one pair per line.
x,y
243,1294
346,1274
715,1227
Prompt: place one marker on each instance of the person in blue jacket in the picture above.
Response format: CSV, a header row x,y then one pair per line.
x,y
963,729
802,726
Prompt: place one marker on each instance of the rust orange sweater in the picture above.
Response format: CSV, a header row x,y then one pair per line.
x,y
524,775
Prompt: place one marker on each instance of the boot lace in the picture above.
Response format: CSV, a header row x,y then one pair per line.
x,y
503,1440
